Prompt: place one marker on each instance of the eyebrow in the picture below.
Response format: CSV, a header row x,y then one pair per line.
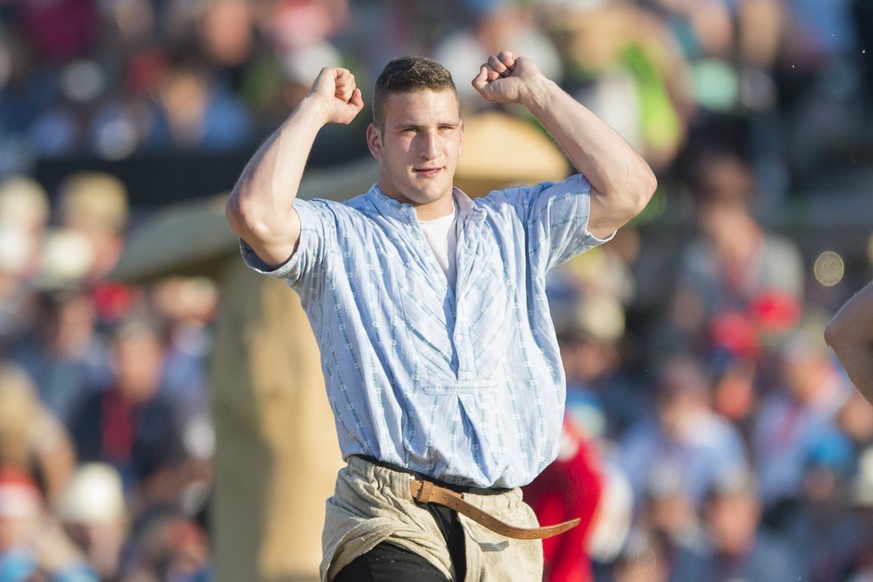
x,y
413,125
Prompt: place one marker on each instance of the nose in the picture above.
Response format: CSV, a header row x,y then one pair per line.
x,y
429,145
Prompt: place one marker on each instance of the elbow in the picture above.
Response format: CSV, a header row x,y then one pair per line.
x,y
645,190
234,214
620,204
242,218
638,192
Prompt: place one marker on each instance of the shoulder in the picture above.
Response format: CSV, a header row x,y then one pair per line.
x,y
572,185
358,207
533,200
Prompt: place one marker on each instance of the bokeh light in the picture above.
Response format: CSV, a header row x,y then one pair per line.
x,y
829,268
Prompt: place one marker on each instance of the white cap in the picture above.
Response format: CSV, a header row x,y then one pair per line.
x,y
67,257
94,495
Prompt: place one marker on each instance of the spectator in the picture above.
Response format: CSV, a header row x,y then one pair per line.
x,y
186,306
623,62
588,325
642,559
65,355
32,441
794,418
92,511
60,30
95,204
169,545
613,519
32,546
130,423
193,109
685,436
24,215
854,560
568,488
603,399
668,512
822,526
738,547
24,208
724,41
819,84
226,31
734,262
494,25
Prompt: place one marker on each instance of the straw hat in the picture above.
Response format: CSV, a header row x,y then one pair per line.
x,y
502,150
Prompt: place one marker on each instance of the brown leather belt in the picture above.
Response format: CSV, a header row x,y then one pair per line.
x,y
425,491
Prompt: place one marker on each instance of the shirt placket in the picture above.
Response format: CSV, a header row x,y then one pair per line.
x,y
469,233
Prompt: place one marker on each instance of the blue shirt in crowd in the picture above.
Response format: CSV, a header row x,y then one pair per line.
x,y
463,384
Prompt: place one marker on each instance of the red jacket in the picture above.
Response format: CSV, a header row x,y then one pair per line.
x,y
568,488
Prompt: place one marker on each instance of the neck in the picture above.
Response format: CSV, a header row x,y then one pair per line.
x,y
741,242
435,209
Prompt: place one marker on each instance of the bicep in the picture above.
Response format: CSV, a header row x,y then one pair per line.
x,y
273,246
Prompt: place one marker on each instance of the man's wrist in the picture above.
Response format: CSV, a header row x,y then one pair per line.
x,y
537,92
315,107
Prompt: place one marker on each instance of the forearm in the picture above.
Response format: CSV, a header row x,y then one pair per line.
x,y
621,180
260,207
850,335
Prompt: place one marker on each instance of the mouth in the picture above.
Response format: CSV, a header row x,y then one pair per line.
x,y
427,172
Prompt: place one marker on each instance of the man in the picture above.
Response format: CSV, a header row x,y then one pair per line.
x,y
734,264
439,355
850,335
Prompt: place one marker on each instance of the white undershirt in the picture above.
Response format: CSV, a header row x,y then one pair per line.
x,y
441,234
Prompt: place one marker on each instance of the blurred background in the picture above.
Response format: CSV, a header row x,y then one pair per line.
x,y
161,409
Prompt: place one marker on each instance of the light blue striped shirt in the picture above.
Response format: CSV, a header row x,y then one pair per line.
x,y
465,385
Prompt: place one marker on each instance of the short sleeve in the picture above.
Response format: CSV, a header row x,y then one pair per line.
x,y
305,254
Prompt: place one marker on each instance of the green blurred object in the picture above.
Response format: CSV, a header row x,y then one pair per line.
x,y
715,84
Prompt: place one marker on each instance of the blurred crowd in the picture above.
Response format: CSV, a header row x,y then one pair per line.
x,y
710,434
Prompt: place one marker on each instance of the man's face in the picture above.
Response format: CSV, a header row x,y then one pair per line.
x,y
417,148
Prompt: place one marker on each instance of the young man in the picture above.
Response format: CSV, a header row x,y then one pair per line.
x,y
430,311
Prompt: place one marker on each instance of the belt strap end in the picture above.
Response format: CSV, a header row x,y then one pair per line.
x,y
426,492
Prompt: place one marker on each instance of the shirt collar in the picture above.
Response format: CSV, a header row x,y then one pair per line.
x,y
405,211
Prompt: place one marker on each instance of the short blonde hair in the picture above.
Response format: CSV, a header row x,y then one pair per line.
x,y
93,199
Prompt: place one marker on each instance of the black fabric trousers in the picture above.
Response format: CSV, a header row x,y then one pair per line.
x,y
389,563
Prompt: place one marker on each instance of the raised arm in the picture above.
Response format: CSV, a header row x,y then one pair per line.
x,y
622,182
260,208
850,335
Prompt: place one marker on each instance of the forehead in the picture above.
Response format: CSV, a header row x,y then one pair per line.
x,y
421,107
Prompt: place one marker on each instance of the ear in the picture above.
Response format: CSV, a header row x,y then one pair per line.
x,y
374,141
